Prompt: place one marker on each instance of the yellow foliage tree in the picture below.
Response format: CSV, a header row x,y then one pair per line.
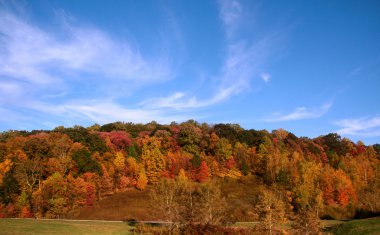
x,y
5,166
182,178
152,159
119,161
142,181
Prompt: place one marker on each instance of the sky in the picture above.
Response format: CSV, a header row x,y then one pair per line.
x,y
310,67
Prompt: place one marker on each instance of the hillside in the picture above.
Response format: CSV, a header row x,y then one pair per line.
x,y
72,172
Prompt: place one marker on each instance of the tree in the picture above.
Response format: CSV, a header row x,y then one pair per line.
x,y
119,139
213,206
119,161
85,162
105,184
271,210
203,172
182,178
5,166
223,150
133,167
152,159
307,223
307,189
28,171
77,192
164,198
187,203
190,137
142,180
58,207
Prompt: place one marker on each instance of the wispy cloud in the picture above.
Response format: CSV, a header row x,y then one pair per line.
x,y
105,111
366,127
182,101
240,67
40,69
265,77
242,63
35,56
231,12
300,113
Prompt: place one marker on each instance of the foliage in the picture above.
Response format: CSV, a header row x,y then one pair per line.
x,y
152,159
307,223
84,162
142,181
55,173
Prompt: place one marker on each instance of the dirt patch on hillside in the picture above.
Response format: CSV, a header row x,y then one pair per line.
x,y
132,204
135,205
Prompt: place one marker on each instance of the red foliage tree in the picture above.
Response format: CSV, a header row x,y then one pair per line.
x,y
120,139
25,212
203,172
90,197
230,163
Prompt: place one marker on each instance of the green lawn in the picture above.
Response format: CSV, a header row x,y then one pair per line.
x,y
32,226
357,227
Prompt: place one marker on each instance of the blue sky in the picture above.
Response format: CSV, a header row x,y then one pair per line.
x,y
310,67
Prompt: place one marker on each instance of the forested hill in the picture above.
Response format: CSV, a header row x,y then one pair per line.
x,y
55,173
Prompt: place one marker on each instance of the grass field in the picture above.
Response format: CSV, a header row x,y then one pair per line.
x,y
58,227
357,227
32,226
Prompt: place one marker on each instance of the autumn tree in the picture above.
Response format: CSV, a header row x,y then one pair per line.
x,y
84,161
307,189
182,177
5,166
269,160
164,199
271,210
203,172
152,159
28,171
120,139
187,203
213,206
54,196
223,150
307,223
189,138
142,180
105,184
119,161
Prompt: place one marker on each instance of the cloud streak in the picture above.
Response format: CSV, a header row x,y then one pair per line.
x,y
34,56
301,113
366,127
41,69
104,111
241,65
83,73
231,12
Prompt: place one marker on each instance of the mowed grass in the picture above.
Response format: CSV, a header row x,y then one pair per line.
x,y
32,226
358,227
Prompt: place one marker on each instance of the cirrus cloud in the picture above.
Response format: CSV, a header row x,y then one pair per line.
x,y
301,113
365,126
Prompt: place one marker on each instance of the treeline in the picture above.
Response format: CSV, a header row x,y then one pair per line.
x,y
54,173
